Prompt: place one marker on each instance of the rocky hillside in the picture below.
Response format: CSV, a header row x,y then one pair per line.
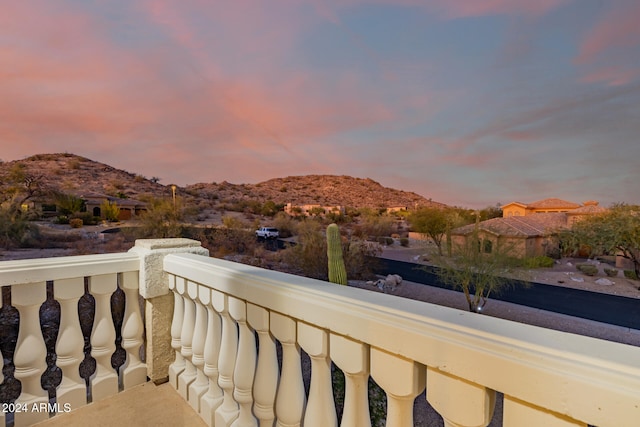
x,y
71,173
325,190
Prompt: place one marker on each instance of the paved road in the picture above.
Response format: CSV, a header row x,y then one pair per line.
x,y
611,309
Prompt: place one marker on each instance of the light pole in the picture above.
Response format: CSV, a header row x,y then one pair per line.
x,y
173,192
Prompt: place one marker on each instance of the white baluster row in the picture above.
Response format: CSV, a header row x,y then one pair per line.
x,y
233,380
30,353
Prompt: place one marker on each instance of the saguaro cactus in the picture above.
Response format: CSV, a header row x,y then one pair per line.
x,y
337,270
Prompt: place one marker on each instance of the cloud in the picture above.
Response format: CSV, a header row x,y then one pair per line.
x,y
471,8
606,52
617,29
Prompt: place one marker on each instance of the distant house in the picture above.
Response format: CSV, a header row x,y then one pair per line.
x,y
541,206
395,209
308,210
528,229
129,208
524,236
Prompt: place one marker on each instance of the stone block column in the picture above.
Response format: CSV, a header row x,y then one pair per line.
x,y
154,288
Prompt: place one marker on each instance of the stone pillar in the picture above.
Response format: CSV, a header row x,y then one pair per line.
x,y
154,288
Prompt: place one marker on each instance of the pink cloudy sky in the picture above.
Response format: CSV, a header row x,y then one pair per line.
x,y
469,102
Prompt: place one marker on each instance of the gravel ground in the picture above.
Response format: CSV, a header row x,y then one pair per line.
x,y
532,316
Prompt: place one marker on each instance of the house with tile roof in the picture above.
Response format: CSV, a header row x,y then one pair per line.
x,y
528,229
129,208
525,236
541,206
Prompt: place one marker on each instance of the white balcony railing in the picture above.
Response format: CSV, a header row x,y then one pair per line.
x,y
27,285
236,335
548,378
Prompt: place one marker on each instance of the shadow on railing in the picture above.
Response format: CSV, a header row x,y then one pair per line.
x,y
229,320
71,333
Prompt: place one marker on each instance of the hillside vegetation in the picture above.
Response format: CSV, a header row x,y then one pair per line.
x,y
70,173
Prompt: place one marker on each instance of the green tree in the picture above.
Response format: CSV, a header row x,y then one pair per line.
x,y
478,273
68,203
615,232
110,210
17,186
431,222
15,230
163,219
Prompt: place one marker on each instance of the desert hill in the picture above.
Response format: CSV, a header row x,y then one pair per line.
x,y
72,174
325,190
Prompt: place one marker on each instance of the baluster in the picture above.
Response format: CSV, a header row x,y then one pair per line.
x,y
30,354
186,338
72,390
265,384
245,364
212,399
177,286
402,380
517,413
104,381
227,412
133,371
472,407
290,401
321,410
352,358
201,384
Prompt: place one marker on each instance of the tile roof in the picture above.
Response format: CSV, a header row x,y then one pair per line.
x,y
553,203
519,226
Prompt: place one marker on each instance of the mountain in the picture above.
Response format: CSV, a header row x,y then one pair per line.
x,y
325,190
75,174
70,173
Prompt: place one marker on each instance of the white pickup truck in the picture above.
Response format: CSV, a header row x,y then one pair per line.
x,y
267,233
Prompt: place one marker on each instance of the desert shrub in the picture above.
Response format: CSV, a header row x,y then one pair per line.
x,y
360,259
373,225
163,219
86,217
110,210
76,223
62,219
404,242
611,272
538,262
630,274
15,230
233,222
383,240
285,224
225,241
309,256
588,269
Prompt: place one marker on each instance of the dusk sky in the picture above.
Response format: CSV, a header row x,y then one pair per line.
x,y
467,102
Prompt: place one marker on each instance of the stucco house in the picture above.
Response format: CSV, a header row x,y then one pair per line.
x,y
308,210
524,236
129,208
528,229
541,206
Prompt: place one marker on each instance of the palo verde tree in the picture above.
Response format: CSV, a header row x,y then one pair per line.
x,y
162,219
615,232
18,185
431,222
477,270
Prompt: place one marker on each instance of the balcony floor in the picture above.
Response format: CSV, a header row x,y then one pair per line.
x,y
143,405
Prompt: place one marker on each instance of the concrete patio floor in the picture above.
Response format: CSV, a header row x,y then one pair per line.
x,y
143,405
